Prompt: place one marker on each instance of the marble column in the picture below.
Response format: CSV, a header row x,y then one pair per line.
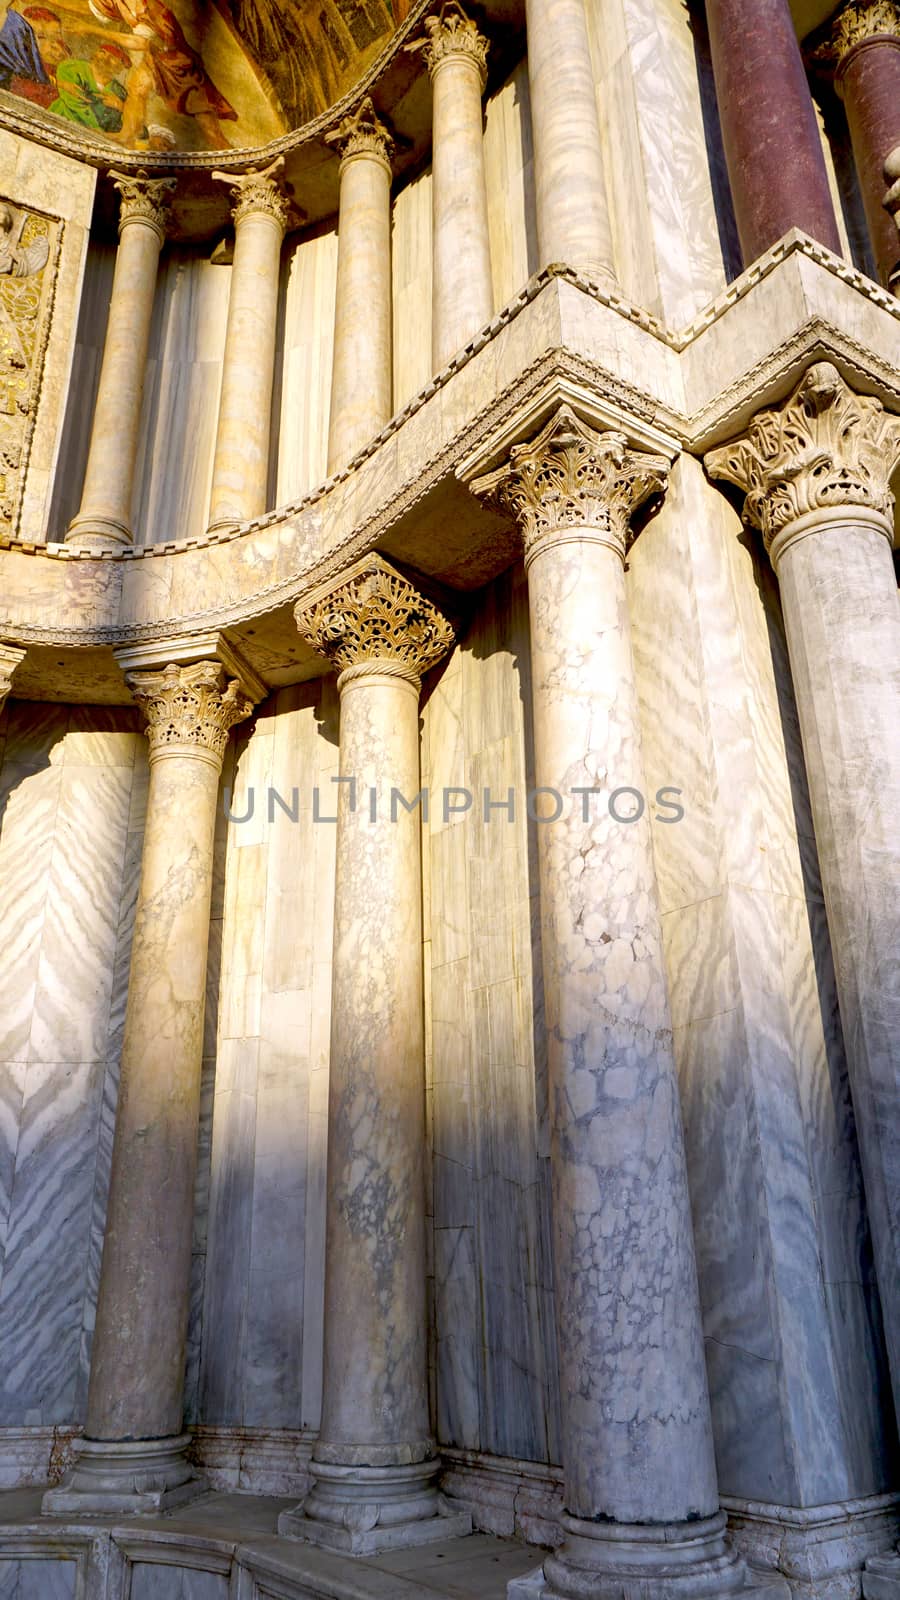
x,y
816,474
104,517
462,296
572,208
133,1455
241,460
863,48
769,129
642,1517
10,658
361,377
374,1464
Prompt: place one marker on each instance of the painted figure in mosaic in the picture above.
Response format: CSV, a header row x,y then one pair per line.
x,y
22,70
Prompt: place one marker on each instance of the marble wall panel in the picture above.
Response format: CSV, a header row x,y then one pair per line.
x,y
35,1579
767,1115
509,174
303,366
411,280
150,1581
495,1353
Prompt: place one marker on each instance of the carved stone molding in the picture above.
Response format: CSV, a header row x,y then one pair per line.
x,y
258,190
825,447
374,617
10,658
144,199
855,22
361,134
452,33
572,478
194,706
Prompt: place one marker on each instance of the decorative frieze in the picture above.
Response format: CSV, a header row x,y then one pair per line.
x,y
144,199
195,705
374,617
825,447
452,33
258,190
361,134
571,476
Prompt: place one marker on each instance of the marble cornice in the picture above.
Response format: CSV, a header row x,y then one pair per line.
x,y
561,338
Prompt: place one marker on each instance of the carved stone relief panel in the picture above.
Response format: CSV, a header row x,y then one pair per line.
x,y
29,254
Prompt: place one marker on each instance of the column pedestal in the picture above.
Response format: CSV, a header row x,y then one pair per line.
x,y
375,1465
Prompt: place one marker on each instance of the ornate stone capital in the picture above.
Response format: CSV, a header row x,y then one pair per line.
x,y
374,617
361,134
10,657
258,190
825,447
191,706
854,23
571,479
144,199
452,33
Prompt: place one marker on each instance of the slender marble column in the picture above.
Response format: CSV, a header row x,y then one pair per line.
x,y
462,290
816,473
104,518
10,658
642,1517
361,378
863,47
133,1455
769,129
241,461
374,1463
572,208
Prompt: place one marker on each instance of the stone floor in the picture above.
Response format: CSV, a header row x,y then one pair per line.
x,y
195,1553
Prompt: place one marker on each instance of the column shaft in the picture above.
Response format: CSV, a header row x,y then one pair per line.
x,y
104,516
241,461
572,208
769,129
361,379
869,83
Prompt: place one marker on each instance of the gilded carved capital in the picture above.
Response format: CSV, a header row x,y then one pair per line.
x,y
452,33
192,706
258,190
854,23
572,480
144,199
825,447
10,657
374,617
361,134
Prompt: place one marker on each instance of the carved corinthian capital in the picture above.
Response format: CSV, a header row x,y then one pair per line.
x,y
259,190
192,706
361,134
572,481
373,617
9,660
452,33
825,447
855,22
144,199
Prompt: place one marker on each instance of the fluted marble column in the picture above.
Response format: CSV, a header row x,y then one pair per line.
x,y
361,377
570,185
241,460
863,47
462,296
772,147
104,517
133,1455
10,658
642,1516
374,1464
816,473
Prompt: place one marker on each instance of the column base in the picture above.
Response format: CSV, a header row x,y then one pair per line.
x,y
662,1561
126,1478
98,533
881,1577
223,525
362,1510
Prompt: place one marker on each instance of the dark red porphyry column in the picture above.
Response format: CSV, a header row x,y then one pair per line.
x,y
863,46
769,129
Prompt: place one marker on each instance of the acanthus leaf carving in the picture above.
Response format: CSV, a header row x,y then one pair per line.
x,y
258,190
195,706
361,133
826,446
372,615
143,199
573,477
854,23
452,33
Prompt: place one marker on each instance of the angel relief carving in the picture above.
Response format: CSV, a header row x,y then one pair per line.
x,y
26,271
